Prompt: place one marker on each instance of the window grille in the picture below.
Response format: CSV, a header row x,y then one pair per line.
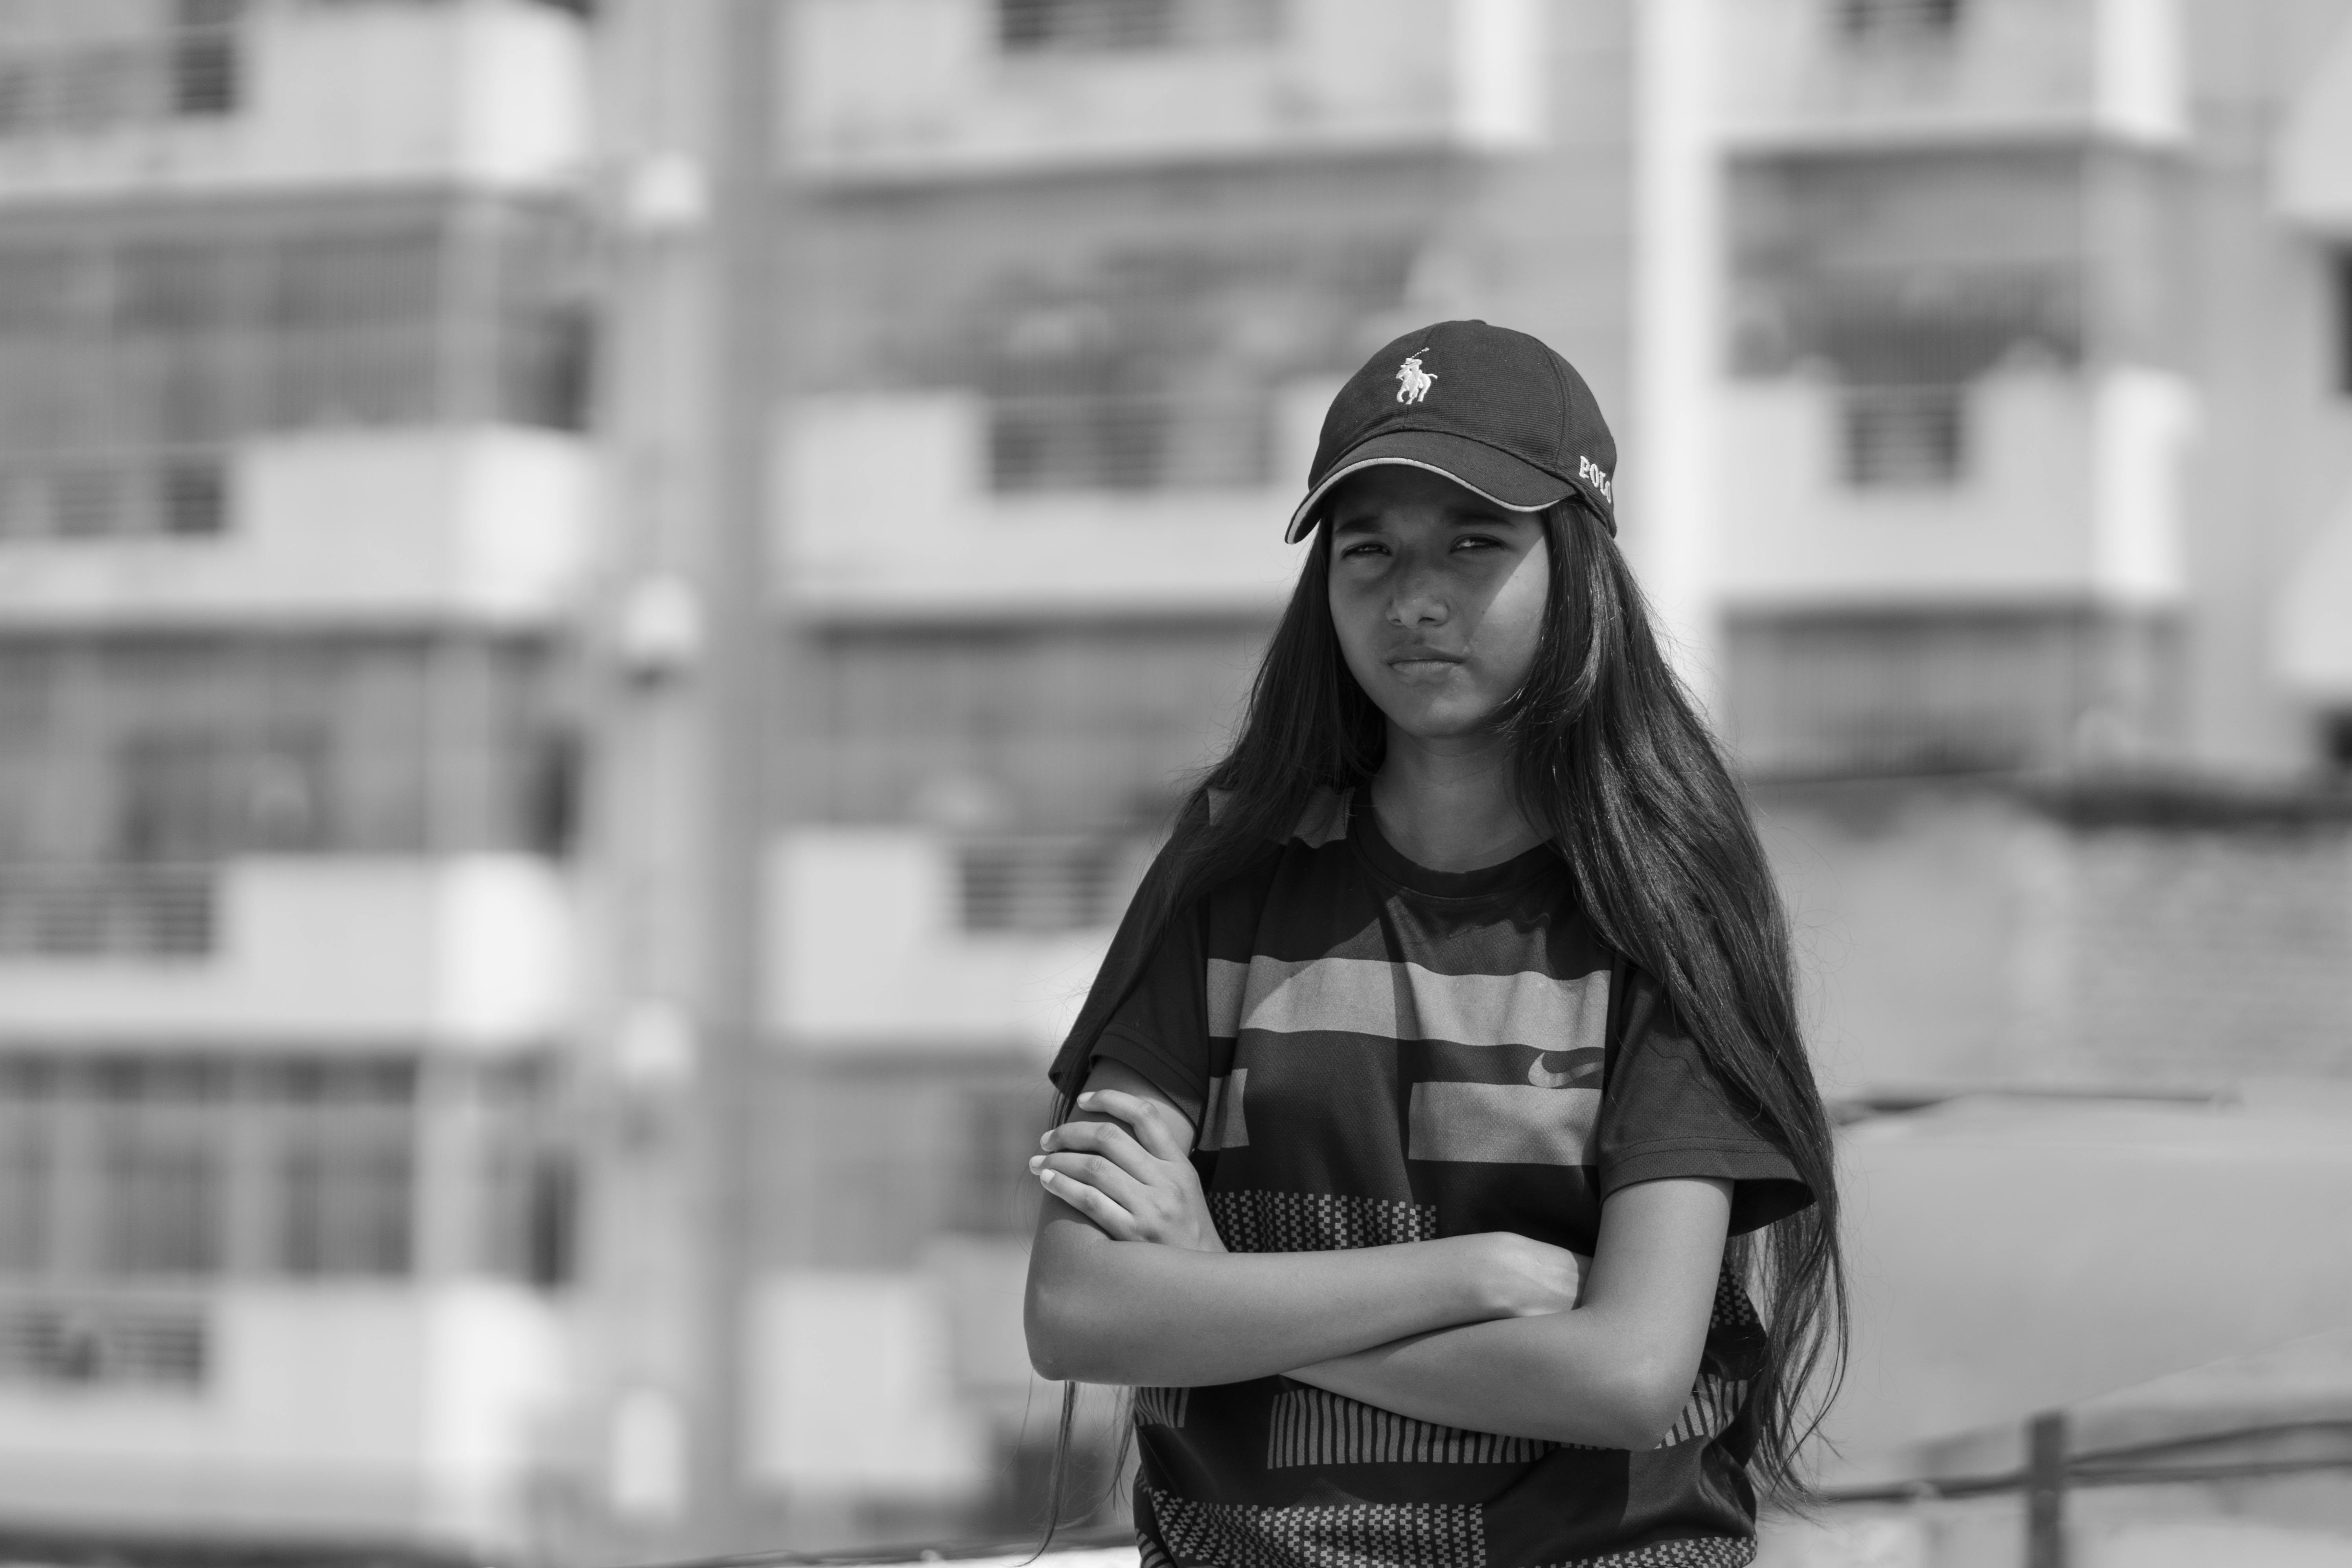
x,y
159,1206
345,1206
1898,21
194,795
170,1167
126,1343
1039,25
993,1193
1904,437
194,69
104,911
125,495
1129,442
1044,884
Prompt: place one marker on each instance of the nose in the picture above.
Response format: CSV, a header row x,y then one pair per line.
x,y
1417,601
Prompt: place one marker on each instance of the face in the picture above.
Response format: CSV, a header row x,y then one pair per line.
x,y
1438,598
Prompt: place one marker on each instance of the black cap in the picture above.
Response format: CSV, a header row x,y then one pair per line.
x,y
1494,410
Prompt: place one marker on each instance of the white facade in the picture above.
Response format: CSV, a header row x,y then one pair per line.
x,y
481,525
382,92
2071,493
885,509
869,952
463,951
346,1409
2000,70
888,89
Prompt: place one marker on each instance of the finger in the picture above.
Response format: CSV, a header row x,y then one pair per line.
x,y
1107,1138
1089,1204
1157,1127
1099,1173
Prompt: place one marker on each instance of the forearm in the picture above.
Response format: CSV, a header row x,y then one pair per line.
x,y
1567,1377
1136,1312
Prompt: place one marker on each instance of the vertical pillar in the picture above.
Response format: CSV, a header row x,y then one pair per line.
x,y
1666,465
2045,1490
733,586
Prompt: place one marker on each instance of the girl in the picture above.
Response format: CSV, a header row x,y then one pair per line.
x,y
1441,1095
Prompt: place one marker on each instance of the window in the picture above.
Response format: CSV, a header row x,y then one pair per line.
x,y
346,1209
994,1192
533,1203
129,367
2342,279
1904,437
1030,26
199,796
2335,742
159,1164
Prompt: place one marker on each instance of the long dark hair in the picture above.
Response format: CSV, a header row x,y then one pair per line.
x,y
1612,762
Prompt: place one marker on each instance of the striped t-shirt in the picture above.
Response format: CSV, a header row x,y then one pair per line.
x,y
1373,1052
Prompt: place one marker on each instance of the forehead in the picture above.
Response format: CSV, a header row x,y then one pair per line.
x,y
1400,492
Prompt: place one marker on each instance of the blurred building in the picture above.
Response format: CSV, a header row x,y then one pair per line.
x,y
294,498
599,607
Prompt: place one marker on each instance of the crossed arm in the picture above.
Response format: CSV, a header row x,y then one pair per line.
x,y
1128,1283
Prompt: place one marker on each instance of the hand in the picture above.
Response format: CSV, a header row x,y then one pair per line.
x,y
1524,1278
1135,1181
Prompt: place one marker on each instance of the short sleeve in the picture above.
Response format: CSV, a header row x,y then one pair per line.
x,y
1161,1028
1666,1113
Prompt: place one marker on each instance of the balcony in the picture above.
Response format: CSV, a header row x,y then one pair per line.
x,y
1021,507
244,1410
1837,73
468,953
485,525
2021,486
887,90
488,92
906,938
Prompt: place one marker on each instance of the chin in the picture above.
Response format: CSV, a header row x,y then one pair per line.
x,y
1446,722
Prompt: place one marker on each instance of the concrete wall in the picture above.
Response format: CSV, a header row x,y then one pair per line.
x,y
1968,935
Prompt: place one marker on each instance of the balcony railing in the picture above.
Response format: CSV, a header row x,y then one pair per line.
x,y
106,912
1044,884
1880,22
1129,442
1035,26
115,494
1897,437
110,1342
191,72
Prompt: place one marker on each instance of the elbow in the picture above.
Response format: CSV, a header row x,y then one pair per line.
x,y
1047,1332
1064,1345
1647,1400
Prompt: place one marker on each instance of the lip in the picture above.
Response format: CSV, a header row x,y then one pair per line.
x,y
1424,665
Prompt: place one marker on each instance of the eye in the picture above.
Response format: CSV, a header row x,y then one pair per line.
x,y
1477,541
1363,547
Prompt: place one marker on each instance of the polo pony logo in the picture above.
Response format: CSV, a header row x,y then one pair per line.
x,y
1412,381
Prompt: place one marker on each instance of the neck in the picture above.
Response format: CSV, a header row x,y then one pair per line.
x,y
1446,804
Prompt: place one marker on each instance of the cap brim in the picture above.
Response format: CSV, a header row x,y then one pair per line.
x,y
1491,475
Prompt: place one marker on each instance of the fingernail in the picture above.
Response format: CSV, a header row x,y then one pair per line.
x,y
1035,1160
